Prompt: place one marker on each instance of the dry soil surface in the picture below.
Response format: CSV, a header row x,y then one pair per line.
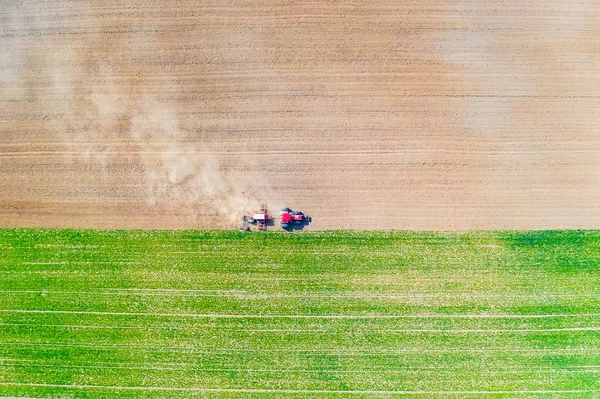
x,y
417,114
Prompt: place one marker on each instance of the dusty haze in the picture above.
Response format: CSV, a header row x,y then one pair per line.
x,y
364,114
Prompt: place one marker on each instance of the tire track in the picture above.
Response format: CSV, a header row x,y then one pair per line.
x,y
294,391
264,316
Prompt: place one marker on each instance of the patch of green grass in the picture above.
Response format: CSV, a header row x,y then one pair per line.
x,y
207,314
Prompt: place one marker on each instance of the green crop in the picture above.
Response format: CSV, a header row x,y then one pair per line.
x,y
197,314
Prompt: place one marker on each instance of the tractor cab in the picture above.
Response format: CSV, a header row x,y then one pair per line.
x,y
297,217
286,219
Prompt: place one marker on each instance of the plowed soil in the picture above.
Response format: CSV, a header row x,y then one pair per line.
x,y
386,114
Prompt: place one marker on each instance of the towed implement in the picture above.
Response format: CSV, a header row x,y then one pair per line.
x,y
260,219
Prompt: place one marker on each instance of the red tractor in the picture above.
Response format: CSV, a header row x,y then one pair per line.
x,y
290,218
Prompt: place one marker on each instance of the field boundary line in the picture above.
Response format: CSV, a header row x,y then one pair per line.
x,y
291,391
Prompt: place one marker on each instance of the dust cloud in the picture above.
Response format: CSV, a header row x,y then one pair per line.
x,y
107,116
180,170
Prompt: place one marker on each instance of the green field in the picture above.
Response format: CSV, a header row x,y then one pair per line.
x,y
132,314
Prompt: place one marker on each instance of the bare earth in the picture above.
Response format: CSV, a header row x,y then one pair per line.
x,y
365,114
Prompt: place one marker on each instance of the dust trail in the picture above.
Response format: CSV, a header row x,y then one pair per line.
x,y
185,171
106,102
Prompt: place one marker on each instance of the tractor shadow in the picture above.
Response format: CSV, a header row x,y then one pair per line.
x,y
298,226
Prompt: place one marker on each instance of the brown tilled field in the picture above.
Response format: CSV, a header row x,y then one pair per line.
x,y
390,114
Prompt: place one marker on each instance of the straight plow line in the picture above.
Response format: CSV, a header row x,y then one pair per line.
x,y
122,143
357,153
310,331
293,391
260,316
200,153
